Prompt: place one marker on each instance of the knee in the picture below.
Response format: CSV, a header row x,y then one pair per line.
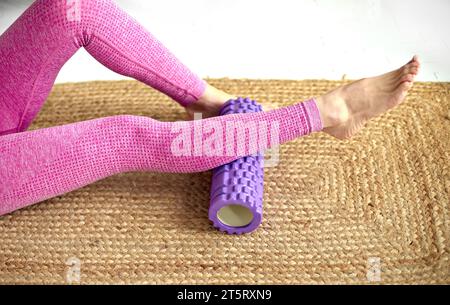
x,y
88,16
62,16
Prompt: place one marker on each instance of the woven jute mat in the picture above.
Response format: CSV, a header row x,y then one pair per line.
x,y
373,209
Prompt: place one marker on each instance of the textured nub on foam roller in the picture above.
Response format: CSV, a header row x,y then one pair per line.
x,y
237,187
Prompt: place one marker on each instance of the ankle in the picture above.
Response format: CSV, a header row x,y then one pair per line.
x,y
332,108
212,95
210,102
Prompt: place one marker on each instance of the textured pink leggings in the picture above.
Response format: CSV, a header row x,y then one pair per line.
x,y
40,164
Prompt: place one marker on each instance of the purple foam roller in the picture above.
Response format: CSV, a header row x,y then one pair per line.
x,y
237,187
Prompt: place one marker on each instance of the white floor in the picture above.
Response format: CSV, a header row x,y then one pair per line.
x,y
289,39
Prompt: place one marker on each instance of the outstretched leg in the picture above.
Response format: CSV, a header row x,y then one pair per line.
x,y
40,164
49,32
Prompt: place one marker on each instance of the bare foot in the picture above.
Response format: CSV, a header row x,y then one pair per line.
x,y
209,103
345,110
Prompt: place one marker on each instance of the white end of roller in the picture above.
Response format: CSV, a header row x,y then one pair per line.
x,y
235,215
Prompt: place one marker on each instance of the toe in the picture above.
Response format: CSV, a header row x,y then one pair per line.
x,y
406,85
409,77
415,59
403,90
414,70
399,94
411,69
413,66
413,63
405,69
406,77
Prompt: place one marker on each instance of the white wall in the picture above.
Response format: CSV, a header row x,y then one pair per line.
x,y
292,39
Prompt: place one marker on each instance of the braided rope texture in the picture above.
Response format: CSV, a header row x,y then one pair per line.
x,y
331,207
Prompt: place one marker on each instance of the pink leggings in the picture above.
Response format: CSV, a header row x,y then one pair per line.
x,y
40,164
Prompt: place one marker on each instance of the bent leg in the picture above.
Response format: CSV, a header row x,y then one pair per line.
x,y
36,46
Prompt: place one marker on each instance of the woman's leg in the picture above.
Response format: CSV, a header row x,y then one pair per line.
x,y
40,164
49,32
